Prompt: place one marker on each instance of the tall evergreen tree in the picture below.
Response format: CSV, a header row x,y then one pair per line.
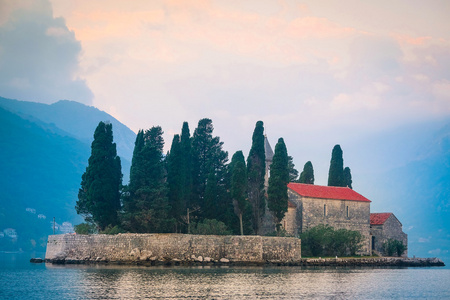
x,y
348,178
186,163
293,172
146,209
99,195
307,175
256,170
239,186
279,178
175,180
336,172
208,162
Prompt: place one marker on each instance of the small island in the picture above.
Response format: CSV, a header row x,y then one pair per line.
x,y
192,190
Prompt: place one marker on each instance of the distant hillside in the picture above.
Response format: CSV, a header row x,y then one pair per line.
x,y
418,193
76,119
40,170
43,155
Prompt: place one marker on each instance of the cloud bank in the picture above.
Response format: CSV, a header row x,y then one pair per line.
x,y
39,55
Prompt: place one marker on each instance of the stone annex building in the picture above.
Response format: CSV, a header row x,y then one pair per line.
x,y
340,207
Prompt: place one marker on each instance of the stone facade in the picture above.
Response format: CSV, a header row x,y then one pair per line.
x,y
345,214
385,226
134,248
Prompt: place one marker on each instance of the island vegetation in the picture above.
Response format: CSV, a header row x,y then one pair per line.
x,y
193,189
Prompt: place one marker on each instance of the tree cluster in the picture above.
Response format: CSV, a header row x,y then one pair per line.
x,y
188,189
193,183
338,175
324,240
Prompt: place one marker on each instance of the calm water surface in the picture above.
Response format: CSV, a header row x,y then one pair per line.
x,y
20,279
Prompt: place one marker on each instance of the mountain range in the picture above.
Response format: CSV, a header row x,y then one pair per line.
x,y
44,150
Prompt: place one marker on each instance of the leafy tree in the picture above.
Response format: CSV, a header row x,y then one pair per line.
x,y
279,178
293,172
99,195
239,185
146,207
256,170
348,177
336,172
208,161
307,175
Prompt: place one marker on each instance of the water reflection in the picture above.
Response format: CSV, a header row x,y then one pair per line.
x,y
21,280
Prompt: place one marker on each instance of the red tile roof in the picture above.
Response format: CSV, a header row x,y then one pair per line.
x,y
379,218
326,192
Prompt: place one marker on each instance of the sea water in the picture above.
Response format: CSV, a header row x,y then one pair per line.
x,y
20,279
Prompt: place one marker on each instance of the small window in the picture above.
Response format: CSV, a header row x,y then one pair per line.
x,y
347,212
324,210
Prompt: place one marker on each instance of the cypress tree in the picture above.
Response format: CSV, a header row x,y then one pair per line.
x,y
256,170
348,178
208,161
186,163
99,195
293,172
239,186
336,172
175,179
279,178
307,175
147,209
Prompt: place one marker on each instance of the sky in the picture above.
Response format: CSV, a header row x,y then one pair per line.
x,y
318,73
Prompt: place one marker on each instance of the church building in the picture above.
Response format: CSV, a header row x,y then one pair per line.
x,y
340,207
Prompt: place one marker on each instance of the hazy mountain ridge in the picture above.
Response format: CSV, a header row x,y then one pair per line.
x,y
418,193
42,165
76,119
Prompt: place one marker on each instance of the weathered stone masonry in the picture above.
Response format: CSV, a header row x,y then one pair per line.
x,y
171,247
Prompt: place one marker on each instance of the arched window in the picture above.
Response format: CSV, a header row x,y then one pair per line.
x,y
324,210
348,214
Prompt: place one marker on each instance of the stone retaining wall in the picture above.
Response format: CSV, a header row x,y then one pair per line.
x,y
175,248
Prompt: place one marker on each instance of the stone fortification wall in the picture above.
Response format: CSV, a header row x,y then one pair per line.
x,y
177,248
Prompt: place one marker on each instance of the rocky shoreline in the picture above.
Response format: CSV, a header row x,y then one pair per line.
x,y
304,262
198,250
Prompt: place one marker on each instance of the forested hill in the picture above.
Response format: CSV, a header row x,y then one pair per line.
x,y
76,119
42,158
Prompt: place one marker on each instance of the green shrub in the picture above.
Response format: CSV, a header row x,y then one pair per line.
x,y
85,228
113,230
324,240
392,247
210,227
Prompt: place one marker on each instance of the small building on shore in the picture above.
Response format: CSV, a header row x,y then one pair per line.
x,y
340,207
385,226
